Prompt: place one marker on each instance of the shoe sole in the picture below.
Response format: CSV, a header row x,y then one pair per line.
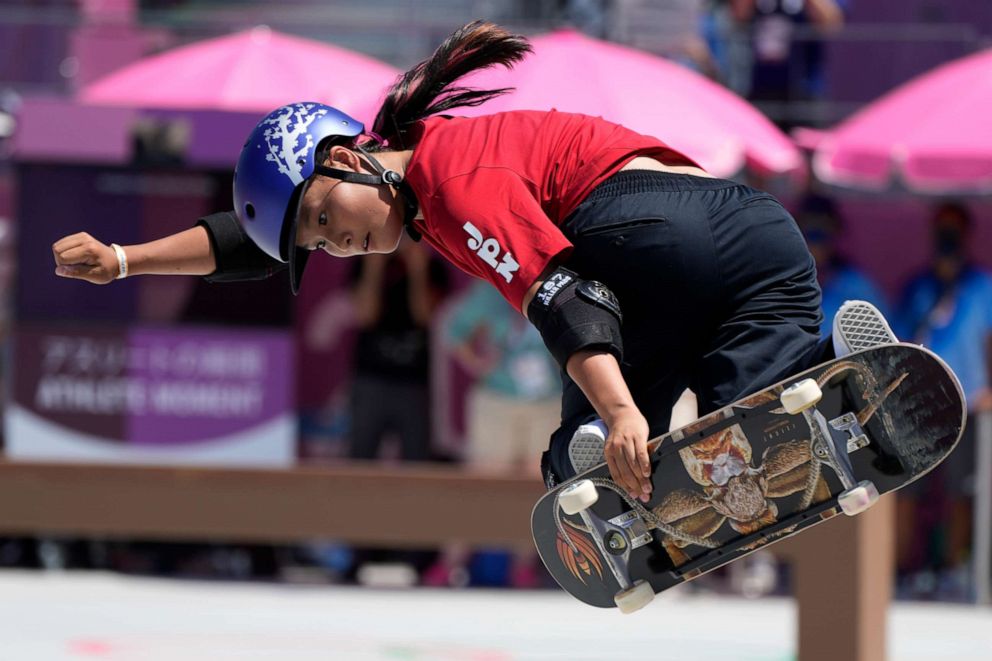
x,y
585,450
860,325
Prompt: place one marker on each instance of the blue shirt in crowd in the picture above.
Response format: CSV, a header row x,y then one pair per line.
x,y
846,283
523,368
954,323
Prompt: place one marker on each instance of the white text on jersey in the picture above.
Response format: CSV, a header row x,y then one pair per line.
x,y
489,250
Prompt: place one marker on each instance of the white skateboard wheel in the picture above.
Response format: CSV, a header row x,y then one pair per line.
x,y
634,598
800,396
857,500
578,497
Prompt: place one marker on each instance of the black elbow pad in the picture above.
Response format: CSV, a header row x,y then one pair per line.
x,y
574,314
237,257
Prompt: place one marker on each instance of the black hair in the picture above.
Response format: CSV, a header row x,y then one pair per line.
x,y
429,87
816,208
954,208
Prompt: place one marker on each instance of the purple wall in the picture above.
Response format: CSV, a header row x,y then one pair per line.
x,y
33,53
952,28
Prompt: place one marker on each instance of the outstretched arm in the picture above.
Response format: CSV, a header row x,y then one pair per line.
x,y
185,253
216,247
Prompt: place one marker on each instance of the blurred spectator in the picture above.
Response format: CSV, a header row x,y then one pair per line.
x,y
840,280
948,308
588,16
513,407
728,46
672,29
160,143
394,296
788,65
514,403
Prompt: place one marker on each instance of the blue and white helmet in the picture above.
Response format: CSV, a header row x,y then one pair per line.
x,y
277,159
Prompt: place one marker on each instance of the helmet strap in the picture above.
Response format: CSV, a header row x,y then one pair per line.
x,y
382,177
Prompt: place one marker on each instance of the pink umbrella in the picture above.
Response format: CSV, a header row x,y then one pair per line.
x,y
251,71
571,72
933,133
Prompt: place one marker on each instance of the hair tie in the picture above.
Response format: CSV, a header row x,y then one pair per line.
x,y
378,138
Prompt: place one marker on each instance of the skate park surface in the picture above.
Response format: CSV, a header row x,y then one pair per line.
x,y
55,616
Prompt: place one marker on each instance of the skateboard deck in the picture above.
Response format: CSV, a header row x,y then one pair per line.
x,y
752,473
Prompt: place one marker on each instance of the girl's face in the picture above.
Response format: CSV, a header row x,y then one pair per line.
x,y
346,219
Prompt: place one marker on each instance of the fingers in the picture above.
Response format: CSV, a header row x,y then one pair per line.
x,y
77,255
72,249
70,241
629,464
643,461
90,272
636,455
616,472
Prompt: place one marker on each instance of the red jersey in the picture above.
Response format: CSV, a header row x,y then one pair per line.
x,y
494,190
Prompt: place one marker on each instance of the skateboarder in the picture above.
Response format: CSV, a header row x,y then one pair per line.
x,y
644,274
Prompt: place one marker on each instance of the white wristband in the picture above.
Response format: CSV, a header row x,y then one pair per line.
x,y
121,261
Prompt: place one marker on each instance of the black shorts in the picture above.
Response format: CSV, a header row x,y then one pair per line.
x,y
717,287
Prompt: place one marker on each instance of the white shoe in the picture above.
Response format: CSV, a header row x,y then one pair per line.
x,y
585,449
859,325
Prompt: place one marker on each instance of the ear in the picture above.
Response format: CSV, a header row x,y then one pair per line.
x,y
344,159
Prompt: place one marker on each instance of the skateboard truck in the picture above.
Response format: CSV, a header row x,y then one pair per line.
x,y
849,423
802,397
614,539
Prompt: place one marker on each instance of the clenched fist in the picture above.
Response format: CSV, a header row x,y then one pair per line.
x,y
83,257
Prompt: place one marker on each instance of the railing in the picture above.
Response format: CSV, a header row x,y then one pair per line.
x,y
842,569
982,544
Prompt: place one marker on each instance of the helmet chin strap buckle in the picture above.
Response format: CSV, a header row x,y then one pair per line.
x,y
387,177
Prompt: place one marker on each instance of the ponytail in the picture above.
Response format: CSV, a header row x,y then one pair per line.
x,y
428,88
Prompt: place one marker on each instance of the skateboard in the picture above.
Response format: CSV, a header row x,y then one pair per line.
x,y
826,441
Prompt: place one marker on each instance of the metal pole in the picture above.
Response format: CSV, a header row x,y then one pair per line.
x,y
982,554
